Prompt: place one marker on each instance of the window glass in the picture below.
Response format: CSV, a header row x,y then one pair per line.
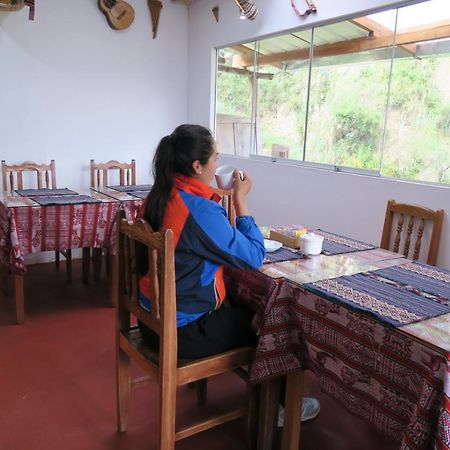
x,y
370,93
348,94
417,145
282,89
234,97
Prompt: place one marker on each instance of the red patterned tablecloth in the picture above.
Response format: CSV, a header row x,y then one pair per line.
x,y
391,378
31,229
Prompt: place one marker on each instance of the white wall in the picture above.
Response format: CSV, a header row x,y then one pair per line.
x,y
353,205
72,89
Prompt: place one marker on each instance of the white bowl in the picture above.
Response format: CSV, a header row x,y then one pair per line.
x,y
311,244
272,246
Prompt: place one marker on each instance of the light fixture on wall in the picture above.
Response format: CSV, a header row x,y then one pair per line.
x,y
247,9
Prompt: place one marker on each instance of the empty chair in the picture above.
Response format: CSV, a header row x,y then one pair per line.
x,y
12,175
161,367
411,222
12,178
280,151
227,203
99,179
99,173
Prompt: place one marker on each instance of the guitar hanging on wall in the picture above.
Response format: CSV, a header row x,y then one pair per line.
x,y
119,14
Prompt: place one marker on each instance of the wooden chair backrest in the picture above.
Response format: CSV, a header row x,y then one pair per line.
x,y
99,173
161,270
415,218
227,203
45,174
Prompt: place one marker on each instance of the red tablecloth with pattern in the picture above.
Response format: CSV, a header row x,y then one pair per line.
x,y
31,229
389,377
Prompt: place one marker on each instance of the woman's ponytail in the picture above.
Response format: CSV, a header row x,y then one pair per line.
x,y
163,175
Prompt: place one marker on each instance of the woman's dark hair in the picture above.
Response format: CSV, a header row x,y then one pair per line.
x,y
174,156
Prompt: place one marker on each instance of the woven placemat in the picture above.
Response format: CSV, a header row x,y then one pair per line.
x,y
397,296
64,200
131,188
45,192
139,194
335,244
283,254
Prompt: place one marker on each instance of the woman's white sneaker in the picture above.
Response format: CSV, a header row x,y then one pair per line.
x,y
310,410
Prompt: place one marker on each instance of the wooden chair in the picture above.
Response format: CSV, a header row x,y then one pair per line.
x,y
99,178
227,203
45,175
99,173
416,217
12,178
162,367
280,151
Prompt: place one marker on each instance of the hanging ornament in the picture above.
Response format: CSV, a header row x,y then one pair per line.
x,y
248,9
311,8
16,5
215,11
155,11
30,4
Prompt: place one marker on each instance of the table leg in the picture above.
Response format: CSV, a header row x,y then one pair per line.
x,y
114,282
69,265
293,411
19,298
251,425
85,264
5,277
268,413
97,256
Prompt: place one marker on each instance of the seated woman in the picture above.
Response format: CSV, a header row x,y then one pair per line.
x,y
182,200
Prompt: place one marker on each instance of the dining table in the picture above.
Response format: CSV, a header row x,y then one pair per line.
x,y
372,325
33,221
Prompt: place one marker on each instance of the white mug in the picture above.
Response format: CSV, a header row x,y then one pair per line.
x,y
225,177
311,244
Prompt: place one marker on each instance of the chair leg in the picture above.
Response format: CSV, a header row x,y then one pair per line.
x,y
123,390
97,262
167,402
69,265
85,264
19,298
202,390
57,259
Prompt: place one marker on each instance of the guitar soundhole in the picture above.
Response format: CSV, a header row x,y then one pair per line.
x,y
110,3
123,13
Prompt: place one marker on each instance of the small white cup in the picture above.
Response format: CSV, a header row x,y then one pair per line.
x,y
225,177
311,244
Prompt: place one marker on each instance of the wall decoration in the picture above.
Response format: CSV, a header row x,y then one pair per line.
x,y
16,5
311,8
119,14
155,11
247,8
215,12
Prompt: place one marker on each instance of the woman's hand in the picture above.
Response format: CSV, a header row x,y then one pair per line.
x,y
242,186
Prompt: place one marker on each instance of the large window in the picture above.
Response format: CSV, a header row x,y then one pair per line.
x,y
369,94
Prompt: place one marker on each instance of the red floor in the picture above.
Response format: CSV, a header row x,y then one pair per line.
x,y
58,381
